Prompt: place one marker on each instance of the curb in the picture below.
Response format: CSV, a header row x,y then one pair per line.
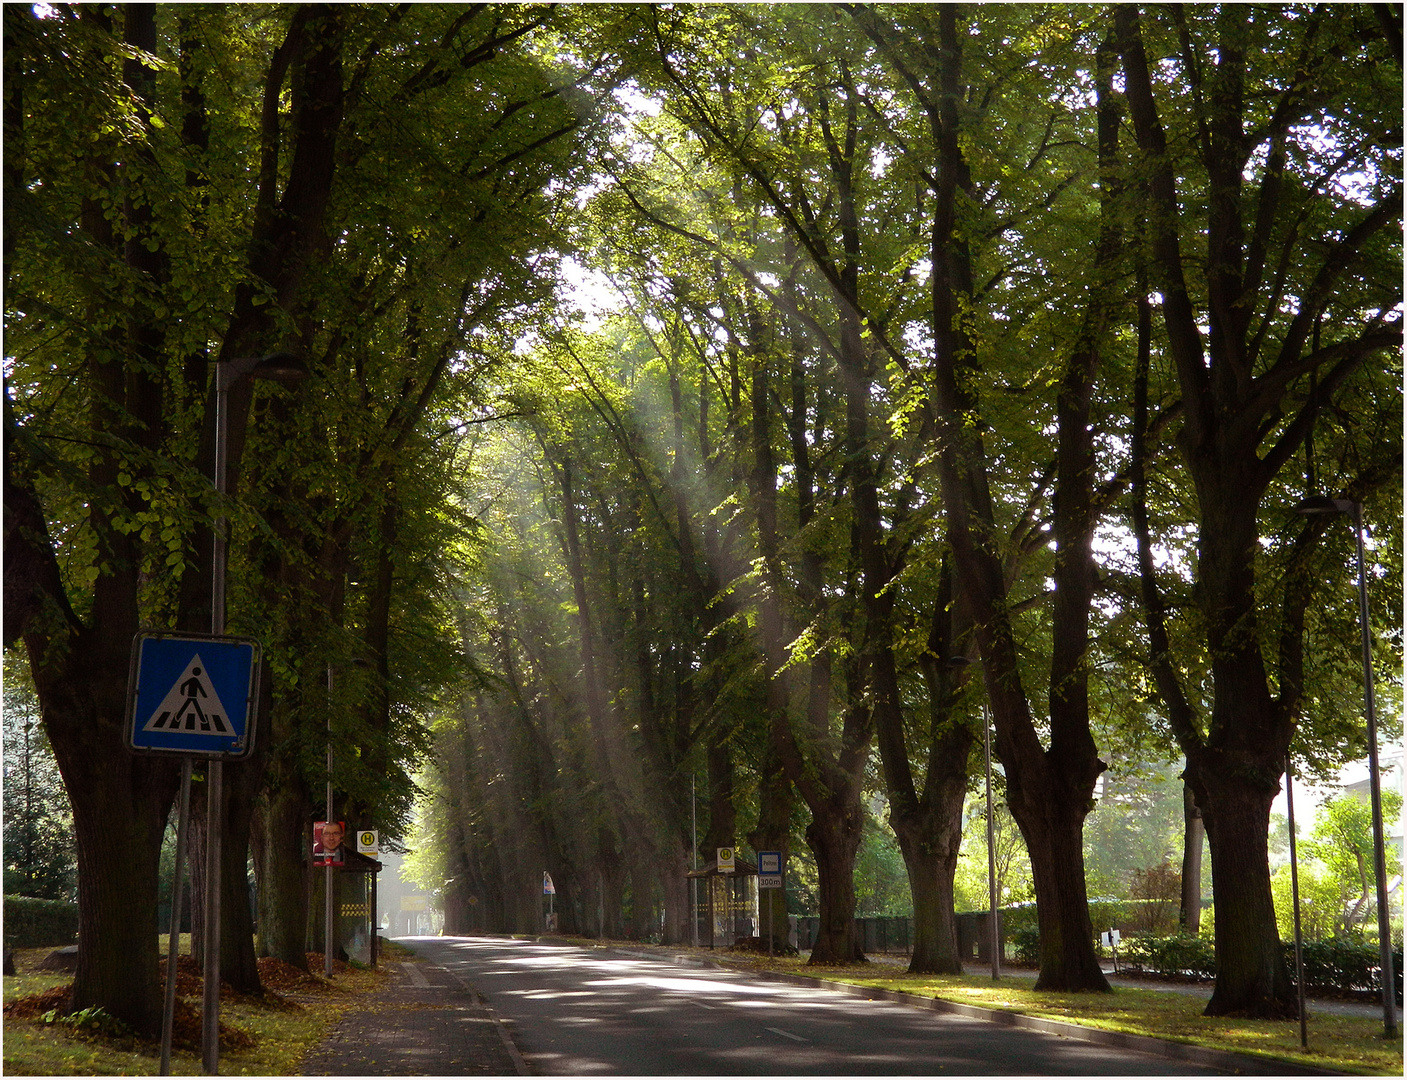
x,y
1147,1044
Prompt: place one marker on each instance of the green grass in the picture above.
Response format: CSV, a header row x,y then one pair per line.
x,y
282,1033
1340,1043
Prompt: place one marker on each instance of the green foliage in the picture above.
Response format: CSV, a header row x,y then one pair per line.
x,y
1338,964
93,1020
40,858
31,922
1026,945
1157,895
1013,865
1175,955
1321,902
881,882
1136,823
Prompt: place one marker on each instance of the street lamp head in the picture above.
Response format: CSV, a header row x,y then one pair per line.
x,y
281,367
1317,505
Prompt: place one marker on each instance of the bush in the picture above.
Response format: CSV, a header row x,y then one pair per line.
x,y
1176,955
1026,945
32,923
1342,964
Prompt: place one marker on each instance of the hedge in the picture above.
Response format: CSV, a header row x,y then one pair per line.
x,y
1177,955
32,923
1334,965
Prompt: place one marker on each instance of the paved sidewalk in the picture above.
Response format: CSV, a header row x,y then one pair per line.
x,y
426,1023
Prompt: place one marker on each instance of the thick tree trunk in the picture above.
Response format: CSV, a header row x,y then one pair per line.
x,y
675,885
931,867
238,962
773,833
1252,978
834,838
722,819
1053,827
120,800
281,862
118,826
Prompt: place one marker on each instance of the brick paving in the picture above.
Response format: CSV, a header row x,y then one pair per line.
x,y
426,1023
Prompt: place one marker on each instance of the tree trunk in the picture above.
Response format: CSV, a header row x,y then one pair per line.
x,y
931,868
1190,916
118,825
282,864
773,833
834,838
675,886
1052,824
1252,978
722,821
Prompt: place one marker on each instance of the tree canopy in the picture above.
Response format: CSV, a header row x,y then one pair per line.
x,y
960,363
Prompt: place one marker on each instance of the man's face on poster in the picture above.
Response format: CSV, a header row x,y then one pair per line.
x,y
331,836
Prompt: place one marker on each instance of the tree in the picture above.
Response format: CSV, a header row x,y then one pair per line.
x,y
1289,304
1343,842
157,206
39,850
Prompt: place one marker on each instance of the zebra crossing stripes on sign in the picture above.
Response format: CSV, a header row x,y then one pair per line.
x,y
192,704
190,695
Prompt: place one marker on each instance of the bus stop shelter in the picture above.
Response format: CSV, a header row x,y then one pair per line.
x,y
354,898
729,904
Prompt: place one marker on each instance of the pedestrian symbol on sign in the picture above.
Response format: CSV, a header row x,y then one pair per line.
x,y
192,695
181,709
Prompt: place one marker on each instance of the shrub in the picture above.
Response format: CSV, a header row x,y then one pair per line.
x,y
93,1020
1175,954
1026,945
1158,895
32,923
1342,964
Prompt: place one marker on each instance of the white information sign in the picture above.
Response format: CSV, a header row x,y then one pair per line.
x,y
769,869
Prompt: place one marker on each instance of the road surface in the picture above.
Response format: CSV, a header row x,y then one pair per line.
x,y
584,1012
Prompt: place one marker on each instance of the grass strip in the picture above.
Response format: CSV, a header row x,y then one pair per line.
x,y
1339,1043
281,1029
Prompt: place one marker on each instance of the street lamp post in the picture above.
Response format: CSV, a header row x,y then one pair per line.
x,y
1314,506
1295,895
994,926
279,367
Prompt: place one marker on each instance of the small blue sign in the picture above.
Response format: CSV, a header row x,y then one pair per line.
x,y
192,695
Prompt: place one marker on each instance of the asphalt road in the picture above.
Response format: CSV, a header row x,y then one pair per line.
x,y
582,1012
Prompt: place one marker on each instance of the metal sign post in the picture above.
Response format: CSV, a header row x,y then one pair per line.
x,y
769,876
194,696
174,939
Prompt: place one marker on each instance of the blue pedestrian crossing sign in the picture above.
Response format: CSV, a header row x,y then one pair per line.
x,y
192,695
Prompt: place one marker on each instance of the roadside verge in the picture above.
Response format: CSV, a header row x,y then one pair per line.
x,y
1170,1049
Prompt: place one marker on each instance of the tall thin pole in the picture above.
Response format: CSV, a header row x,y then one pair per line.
x,y
1295,890
694,857
1389,981
215,770
991,852
328,869
168,1017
